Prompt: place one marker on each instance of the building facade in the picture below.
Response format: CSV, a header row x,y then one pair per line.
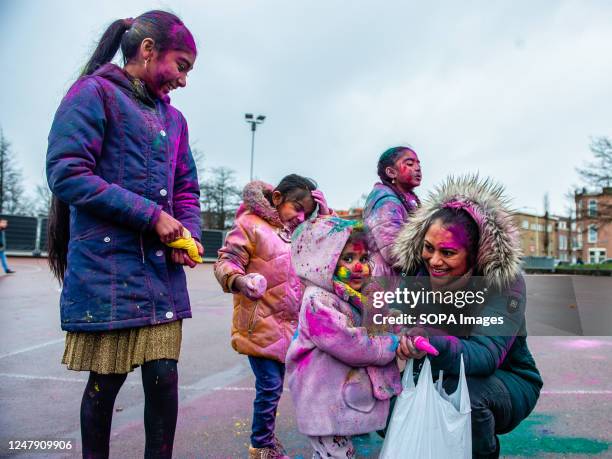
x,y
543,236
593,225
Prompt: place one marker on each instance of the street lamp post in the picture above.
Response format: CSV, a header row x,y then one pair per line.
x,y
248,117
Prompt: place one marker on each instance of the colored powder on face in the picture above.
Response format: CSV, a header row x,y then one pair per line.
x,y
359,246
344,274
460,238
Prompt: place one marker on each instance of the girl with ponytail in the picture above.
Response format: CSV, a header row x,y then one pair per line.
x,y
390,204
124,184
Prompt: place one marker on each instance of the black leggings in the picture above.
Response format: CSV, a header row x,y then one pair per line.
x,y
160,383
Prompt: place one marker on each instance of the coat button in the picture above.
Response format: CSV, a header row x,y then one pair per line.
x,y
159,253
163,192
169,315
107,239
162,133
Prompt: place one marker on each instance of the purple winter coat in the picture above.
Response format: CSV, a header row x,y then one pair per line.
x,y
119,158
341,379
384,215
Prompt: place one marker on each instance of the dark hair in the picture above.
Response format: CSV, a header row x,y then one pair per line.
x,y
294,187
455,216
358,234
388,159
168,32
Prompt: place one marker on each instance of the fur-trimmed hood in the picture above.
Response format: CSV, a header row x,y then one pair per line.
x,y
499,252
254,199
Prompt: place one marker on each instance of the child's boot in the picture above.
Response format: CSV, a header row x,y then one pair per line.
x,y
271,452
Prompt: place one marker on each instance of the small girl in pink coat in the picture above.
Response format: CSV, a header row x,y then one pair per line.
x,y
341,378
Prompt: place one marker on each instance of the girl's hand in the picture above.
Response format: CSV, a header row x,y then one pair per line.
x,y
319,198
252,285
200,247
168,228
406,350
180,257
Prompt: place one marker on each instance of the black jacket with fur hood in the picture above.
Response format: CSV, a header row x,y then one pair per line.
x,y
498,262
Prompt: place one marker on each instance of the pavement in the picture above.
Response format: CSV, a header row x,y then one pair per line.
x,y
40,399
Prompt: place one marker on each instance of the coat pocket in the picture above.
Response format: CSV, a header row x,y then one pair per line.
x,y
357,391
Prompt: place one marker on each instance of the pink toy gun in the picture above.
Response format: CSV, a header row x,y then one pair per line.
x,y
423,344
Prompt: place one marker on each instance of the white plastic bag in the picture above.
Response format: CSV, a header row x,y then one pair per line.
x,y
426,422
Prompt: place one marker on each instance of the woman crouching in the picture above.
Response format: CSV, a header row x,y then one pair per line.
x,y
464,238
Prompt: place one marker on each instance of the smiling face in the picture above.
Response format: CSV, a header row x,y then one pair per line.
x,y
445,253
352,267
292,212
167,71
406,171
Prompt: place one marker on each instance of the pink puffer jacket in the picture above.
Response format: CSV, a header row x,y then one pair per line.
x,y
259,243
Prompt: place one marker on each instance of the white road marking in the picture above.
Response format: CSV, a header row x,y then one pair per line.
x,y
576,392
42,378
31,348
202,385
252,389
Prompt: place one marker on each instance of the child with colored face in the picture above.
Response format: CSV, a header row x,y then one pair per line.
x,y
353,267
124,185
341,375
255,265
390,204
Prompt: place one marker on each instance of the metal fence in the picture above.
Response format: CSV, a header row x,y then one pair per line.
x,y
27,236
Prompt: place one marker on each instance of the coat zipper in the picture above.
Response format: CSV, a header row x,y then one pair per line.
x,y
252,318
142,249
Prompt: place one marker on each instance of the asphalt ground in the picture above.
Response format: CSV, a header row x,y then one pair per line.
x,y
40,398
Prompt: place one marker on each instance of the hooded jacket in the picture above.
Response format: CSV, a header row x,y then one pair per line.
x,y
260,243
118,159
498,261
383,214
341,378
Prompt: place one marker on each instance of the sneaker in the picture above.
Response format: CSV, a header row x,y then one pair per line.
x,y
10,271
266,453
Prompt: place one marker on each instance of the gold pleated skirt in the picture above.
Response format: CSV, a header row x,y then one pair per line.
x,y
120,351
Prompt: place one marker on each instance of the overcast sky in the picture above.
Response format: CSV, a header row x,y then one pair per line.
x,y
512,90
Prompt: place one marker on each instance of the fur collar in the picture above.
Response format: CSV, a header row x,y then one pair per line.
x,y
499,251
254,199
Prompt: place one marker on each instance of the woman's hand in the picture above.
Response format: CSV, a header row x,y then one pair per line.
x,y
168,228
319,198
252,285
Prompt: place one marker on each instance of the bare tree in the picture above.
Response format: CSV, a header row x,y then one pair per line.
x,y
547,234
42,200
599,172
220,197
12,197
199,158
359,203
570,210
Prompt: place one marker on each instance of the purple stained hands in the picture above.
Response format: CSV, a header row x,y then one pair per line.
x,y
319,198
252,285
181,257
